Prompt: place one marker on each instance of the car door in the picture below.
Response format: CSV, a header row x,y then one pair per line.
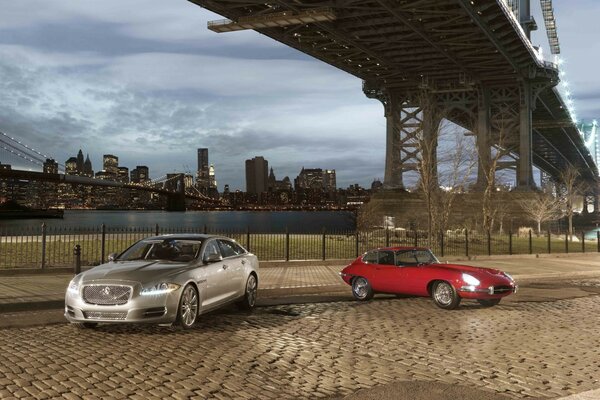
x,y
215,274
387,277
234,265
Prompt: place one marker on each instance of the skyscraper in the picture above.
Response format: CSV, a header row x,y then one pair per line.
x,y
329,180
202,176
50,166
80,162
140,174
257,175
87,167
111,164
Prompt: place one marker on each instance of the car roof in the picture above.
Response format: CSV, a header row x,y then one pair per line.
x,y
398,248
186,236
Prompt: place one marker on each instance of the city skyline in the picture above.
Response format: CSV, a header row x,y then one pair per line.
x,y
157,83
203,163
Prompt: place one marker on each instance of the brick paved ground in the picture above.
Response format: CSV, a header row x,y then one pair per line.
x,y
520,349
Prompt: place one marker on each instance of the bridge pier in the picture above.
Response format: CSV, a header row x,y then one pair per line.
x,y
496,115
525,180
176,200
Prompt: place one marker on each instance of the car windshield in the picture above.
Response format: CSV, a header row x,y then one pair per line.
x,y
415,257
177,250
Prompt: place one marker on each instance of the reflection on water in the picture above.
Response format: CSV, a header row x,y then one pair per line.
x,y
256,221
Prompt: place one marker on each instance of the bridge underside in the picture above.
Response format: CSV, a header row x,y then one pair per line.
x,y
466,61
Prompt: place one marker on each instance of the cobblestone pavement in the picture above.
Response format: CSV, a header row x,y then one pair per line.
x,y
519,349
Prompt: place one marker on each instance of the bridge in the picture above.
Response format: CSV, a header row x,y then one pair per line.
x,y
468,61
172,185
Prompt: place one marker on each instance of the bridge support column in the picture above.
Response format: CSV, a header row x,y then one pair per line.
x,y
176,200
483,135
393,171
525,180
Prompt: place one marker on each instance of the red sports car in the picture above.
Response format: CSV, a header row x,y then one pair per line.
x,y
416,271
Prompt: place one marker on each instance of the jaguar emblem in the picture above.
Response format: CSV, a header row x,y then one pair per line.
x,y
106,291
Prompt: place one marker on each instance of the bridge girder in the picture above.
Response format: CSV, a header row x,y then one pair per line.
x,y
440,46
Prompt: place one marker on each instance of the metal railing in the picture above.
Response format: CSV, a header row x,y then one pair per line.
x,y
48,247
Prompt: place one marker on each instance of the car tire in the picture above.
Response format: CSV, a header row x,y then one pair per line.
x,y
444,295
361,289
86,325
189,303
248,302
488,302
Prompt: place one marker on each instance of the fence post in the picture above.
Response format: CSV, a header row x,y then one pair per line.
x,y
530,243
583,242
323,244
466,242
489,242
103,244
77,254
442,242
356,241
598,241
287,244
549,242
567,242
248,238
43,245
416,238
205,229
387,236
156,230
510,251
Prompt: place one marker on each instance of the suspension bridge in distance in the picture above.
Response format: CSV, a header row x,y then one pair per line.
x,y
172,186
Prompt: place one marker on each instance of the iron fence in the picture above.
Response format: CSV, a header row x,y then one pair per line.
x,y
48,247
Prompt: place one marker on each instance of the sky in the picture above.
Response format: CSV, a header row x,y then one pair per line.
x,y
145,80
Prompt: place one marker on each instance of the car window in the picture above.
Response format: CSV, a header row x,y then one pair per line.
x,y
425,257
211,249
237,248
370,257
405,258
386,257
227,248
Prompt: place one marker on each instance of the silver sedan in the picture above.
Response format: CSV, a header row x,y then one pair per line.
x,y
168,279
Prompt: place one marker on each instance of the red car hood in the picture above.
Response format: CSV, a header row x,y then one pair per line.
x,y
469,269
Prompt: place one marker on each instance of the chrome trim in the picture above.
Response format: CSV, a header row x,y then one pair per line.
x,y
489,290
113,316
104,294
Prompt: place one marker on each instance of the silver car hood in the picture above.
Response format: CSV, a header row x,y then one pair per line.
x,y
140,271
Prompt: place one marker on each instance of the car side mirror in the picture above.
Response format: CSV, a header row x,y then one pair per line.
x,y
112,257
212,258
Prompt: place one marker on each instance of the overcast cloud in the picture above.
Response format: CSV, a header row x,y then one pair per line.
x,y
146,81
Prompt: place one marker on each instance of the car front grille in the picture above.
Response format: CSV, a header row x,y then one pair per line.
x,y
502,289
113,316
106,295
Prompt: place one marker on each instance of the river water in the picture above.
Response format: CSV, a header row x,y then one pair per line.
x,y
256,221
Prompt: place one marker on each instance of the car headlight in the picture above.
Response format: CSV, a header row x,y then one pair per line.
x,y
470,280
508,276
73,287
159,288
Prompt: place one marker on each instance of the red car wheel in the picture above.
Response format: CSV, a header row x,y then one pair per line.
x,y
361,289
444,295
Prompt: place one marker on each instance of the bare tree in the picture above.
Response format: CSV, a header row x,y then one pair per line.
x,y
489,167
544,207
569,179
427,142
458,160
